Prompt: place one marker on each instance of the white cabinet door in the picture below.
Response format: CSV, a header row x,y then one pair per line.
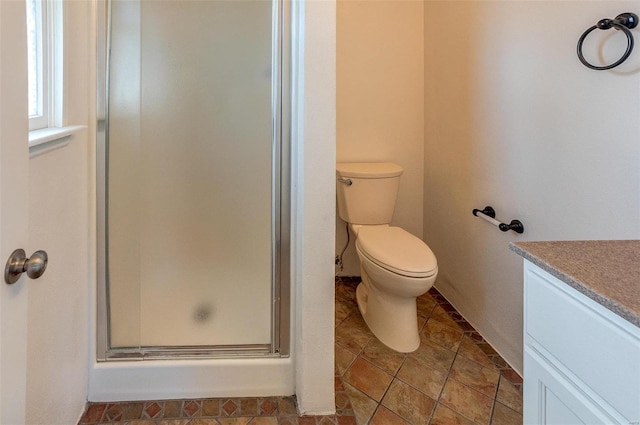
x,y
581,360
580,336
14,165
550,399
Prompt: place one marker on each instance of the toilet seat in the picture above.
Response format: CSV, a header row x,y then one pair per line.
x,y
397,250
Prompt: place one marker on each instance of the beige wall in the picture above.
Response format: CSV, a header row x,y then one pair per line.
x,y
513,120
380,92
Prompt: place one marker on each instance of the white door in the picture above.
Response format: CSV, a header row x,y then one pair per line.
x,y
14,164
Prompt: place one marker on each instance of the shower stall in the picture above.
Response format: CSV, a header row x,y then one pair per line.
x,y
193,180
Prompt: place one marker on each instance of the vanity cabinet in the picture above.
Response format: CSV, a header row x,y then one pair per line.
x,y
581,360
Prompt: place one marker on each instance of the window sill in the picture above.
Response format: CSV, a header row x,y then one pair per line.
x,y
47,139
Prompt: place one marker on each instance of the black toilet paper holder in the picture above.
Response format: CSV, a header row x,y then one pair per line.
x,y
489,214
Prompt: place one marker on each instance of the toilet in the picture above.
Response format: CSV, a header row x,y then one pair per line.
x,y
396,267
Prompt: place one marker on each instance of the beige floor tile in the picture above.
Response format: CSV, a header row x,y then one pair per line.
x,y
382,356
466,401
343,358
443,317
287,406
445,416
422,377
442,334
211,421
211,407
368,378
346,291
384,416
324,420
425,304
263,421
509,395
234,421
133,410
172,408
353,333
343,309
433,355
502,415
342,400
475,376
363,405
421,322
471,351
408,403
249,407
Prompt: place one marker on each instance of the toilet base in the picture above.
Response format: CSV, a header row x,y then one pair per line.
x,y
393,320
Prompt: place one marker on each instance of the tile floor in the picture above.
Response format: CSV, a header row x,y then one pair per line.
x,y
217,411
454,377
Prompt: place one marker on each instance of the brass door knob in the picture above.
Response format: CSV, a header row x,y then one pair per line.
x,y
18,263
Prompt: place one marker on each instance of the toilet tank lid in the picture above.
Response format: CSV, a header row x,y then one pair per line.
x,y
368,170
397,250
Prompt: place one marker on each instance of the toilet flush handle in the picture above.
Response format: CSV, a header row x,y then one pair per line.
x,y
348,182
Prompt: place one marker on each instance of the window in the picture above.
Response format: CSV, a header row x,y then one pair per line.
x,y
44,50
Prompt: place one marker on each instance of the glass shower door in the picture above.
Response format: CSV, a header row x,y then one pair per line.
x,y
192,177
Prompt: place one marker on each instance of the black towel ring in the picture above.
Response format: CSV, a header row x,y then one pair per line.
x,y
624,22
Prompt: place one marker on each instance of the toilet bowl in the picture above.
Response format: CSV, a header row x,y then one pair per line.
x,y
396,268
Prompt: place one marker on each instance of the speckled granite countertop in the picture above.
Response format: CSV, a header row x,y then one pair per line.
x,y
608,272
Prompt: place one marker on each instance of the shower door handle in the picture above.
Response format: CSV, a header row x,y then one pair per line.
x,y
18,263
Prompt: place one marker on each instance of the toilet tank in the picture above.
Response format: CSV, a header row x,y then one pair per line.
x,y
371,196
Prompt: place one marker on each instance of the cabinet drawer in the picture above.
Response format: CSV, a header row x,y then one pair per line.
x,y
600,349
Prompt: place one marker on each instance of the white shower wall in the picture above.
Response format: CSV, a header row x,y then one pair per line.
x,y
190,173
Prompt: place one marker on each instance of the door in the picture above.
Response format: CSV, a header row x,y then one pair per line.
x,y
14,164
551,399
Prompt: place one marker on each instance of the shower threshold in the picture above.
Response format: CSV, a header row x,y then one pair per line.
x,y
191,352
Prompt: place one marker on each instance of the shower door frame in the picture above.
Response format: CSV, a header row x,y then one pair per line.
x,y
280,205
